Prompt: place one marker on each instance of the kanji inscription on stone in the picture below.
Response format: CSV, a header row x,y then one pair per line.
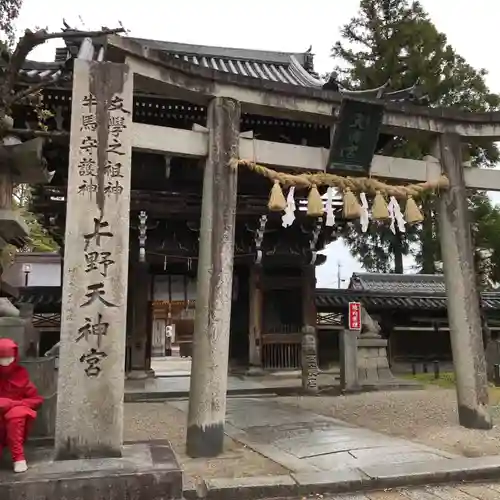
x,y
93,322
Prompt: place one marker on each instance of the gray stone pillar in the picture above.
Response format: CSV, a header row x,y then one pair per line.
x,y
309,361
349,361
207,397
463,298
158,342
255,319
89,419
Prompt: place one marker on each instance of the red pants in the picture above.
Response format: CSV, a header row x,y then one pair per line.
x,y
12,435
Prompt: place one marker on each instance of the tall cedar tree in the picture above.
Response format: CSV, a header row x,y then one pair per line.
x,y
395,39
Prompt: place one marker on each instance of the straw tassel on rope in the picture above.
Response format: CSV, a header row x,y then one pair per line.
x,y
413,215
379,208
277,201
349,186
352,208
314,203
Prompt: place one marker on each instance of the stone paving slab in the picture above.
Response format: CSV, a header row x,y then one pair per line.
x,y
147,470
318,442
372,465
348,484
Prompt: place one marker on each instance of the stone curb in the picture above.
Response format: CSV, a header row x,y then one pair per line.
x,y
377,477
138,397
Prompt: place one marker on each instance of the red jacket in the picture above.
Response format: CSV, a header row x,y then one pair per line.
x,y
18,395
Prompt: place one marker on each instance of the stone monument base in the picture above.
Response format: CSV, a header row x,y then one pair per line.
x,y
146,471
373,365
138,375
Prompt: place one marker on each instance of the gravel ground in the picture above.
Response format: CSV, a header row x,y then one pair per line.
x,y
150,421
427,416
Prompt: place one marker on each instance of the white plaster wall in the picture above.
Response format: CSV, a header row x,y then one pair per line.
x,y
41,274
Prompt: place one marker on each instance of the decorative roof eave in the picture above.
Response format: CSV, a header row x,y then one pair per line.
x,y
41,72
300,102
298,70
60,73
411,94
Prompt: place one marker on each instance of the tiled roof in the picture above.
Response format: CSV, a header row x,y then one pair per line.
x,y
48,299
331,300
397,283
281,67
34,72
45,299
275,66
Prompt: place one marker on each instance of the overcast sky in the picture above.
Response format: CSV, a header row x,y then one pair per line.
x,y
278,25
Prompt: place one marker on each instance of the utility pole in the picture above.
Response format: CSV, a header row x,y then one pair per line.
x,y
339,280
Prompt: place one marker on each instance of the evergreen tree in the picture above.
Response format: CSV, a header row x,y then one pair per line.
x,y
395,40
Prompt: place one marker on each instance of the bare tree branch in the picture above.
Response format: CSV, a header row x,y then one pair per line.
x,y
26,44
30,134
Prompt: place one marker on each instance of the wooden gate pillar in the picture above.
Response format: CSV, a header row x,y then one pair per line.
x,y
207,397
462,293
139,288
309,296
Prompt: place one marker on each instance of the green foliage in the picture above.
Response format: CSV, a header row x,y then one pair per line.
x,y
485,228
446,380
39,239
395,40
9,11
379,250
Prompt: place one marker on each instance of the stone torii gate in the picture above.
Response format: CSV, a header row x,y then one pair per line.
x,y
90,408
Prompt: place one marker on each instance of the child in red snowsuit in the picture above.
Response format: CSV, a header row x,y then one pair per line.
x,y
18,401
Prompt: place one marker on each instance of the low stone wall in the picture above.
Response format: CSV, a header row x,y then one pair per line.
x,y
44,375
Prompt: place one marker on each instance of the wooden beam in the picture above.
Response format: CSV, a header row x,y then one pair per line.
x,y
179,142
187,81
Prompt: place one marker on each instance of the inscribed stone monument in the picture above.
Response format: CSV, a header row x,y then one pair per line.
x,y
309,360
91,371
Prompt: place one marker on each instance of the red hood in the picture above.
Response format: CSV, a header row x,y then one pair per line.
x,y
8,348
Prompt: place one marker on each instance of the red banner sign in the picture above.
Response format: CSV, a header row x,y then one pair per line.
x,y
354,316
